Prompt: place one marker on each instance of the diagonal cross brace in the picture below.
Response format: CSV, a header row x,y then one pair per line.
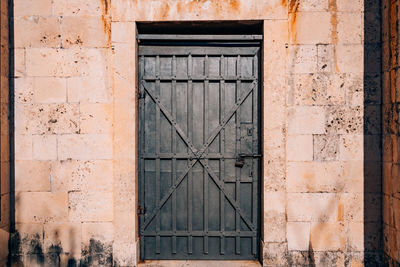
x,y
198,154
230,199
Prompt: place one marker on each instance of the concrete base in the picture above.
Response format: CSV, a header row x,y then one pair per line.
x,y
184,263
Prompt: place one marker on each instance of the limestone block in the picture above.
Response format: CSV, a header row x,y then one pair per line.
x,y
350,6
73,175
351,207
50,90
122,32
53,62
90,206
34,207
274,176
274,254
37,32
327,236
299,148
125,253
306,120
19,62
298,235
85,146
102,231
275,202
349,27
326,147
77,8
344,120
312,207
356,236
326,62
47,118
351,147
97,243
23,88
274,227
32,7
86,31
350,58
95,61
88,89
32,176
65,237
302,59
23,147
96,118
310,27
321,89
311,5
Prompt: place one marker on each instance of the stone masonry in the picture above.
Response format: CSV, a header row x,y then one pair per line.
x,y
75,103
391,131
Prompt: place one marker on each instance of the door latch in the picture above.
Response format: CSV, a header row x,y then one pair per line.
x,y
240,159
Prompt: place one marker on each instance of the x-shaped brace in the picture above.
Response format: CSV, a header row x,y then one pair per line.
x,y
198,154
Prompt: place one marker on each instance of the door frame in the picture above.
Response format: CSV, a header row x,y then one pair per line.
x,y
223,38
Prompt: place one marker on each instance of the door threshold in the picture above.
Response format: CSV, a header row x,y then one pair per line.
x,y
199,263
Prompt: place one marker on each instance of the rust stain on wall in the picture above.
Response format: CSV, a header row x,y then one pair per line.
x,y
293,9
334,32
105,17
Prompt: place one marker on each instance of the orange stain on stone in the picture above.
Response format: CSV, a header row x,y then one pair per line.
x,y
105,17
334,33
293,9
340,213
165,11
234,5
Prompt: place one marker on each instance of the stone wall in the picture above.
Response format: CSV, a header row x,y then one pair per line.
x,y
391,131
4,133
76,127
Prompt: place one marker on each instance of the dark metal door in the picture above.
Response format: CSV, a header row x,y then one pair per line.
x,y
199,151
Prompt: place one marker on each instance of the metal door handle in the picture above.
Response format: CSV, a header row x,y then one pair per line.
x,y
250,155
240,159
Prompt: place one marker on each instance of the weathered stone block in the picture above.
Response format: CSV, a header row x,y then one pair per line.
x,y
74,175
45,147
351,147
23,147
77,8
33,7
50,90
85,146
37,32
312,207
298,235
90,206
96,118
86,31
310,27
306,120
32,176
344,120
350,58
327,236
23,90
349,27
326,147
64,238
88,89
302,59
48,207
299,148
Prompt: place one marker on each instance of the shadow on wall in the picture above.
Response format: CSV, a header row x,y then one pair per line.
x,y
372,134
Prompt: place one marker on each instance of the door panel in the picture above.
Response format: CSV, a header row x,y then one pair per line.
x,y
199,152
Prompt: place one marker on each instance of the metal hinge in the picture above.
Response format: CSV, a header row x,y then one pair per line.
x,y
140,210
141,94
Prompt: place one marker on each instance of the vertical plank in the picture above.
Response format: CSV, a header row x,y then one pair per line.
x,y
255,150
190,136
238,145
205,136
158,142
222,150
173,149
141,152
